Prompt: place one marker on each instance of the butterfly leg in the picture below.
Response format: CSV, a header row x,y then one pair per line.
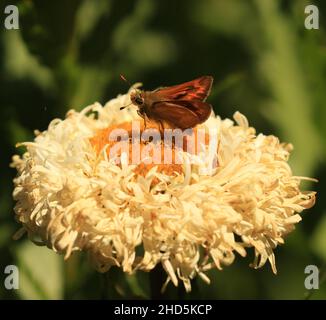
x,y
161,128
142,115
145,123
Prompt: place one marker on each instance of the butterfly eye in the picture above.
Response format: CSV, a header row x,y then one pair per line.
x,y
139,100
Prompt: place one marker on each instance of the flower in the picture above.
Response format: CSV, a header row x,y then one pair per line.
x,y
71,196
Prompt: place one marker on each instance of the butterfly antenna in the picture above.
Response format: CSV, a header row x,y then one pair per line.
x,y
123,78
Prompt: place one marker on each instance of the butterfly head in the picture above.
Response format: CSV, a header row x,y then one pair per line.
x,y
137,97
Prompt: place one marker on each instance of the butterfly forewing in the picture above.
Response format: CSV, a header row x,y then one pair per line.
x,y
197,89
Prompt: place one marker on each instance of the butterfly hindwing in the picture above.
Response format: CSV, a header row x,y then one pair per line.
x,y
181,114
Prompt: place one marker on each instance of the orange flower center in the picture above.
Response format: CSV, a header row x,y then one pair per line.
x,y
103,139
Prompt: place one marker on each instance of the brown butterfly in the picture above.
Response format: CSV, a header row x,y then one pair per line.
x,y
181,106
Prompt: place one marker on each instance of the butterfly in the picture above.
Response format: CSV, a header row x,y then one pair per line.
x,y
181,106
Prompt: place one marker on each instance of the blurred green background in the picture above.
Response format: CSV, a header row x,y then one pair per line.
x,y
68,54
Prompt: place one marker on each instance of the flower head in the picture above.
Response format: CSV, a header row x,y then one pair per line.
x,y
71,195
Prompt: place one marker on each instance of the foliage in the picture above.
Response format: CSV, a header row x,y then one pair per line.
x,y
68,54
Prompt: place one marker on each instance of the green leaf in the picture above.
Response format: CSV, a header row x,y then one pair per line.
x,y
6,231
40,272
139,284
20,63
318,240
17,132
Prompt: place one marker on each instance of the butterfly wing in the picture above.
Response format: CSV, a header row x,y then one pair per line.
x,y
181,114
197,89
